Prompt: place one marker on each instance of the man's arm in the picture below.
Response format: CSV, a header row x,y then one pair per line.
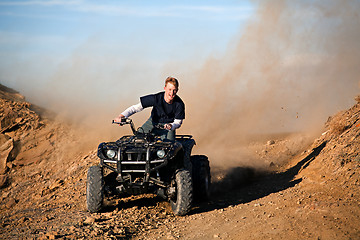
x,y
129,111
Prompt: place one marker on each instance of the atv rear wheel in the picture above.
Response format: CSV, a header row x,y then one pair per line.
x,y
94,189
201,177
182,202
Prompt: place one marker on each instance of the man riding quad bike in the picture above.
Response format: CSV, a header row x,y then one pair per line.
x,y
145,163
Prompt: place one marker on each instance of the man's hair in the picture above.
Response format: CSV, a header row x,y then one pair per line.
x,y
173,81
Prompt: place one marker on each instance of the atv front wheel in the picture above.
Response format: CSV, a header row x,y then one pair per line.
x,y
94,189
201,177
182,202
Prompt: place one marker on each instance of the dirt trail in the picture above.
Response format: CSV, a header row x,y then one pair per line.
x,y
306,191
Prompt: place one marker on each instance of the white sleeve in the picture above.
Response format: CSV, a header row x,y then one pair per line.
x,y
176,124
133,109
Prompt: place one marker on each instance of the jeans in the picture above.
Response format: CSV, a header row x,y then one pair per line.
x,y
164,134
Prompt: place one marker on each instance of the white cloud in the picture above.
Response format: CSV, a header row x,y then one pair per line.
x,y
41,3
186,11
183,11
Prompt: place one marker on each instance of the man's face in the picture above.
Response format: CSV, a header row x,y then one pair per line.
x,y
170,91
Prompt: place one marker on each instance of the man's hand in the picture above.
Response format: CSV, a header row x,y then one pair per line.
x,y
118,119
168,126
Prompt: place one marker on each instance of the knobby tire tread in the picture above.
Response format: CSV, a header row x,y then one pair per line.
x,y
184,197
94,189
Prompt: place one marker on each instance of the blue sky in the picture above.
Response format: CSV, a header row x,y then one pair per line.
x,y
41,40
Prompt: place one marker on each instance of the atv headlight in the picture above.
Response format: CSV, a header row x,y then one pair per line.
x,y
110,153
160,153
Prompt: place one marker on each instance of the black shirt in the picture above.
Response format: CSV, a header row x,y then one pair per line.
x,y
162,111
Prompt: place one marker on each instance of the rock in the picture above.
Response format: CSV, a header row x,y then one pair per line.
x,y
3,179
72,229
9,120
44,219
12,202
108,214
18,120
56,184
4,138
5,195
89,220
270,142
5,150
42,237
357,98
52,235
23,219
49,135
10,165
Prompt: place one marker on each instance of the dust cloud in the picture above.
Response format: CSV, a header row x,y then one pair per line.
x,y
89,89
295,64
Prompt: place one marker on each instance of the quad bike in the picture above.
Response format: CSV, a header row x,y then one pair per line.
x,y
143,163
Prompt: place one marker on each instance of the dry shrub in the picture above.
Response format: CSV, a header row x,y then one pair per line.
x,y
338,128
337,124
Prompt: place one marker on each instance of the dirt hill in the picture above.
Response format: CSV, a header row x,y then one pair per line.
x,y
309,191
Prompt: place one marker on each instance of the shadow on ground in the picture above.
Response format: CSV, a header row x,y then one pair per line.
x,y
243,185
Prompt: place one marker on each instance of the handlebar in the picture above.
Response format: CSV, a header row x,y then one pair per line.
x,y
123,121
129,121
126,121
